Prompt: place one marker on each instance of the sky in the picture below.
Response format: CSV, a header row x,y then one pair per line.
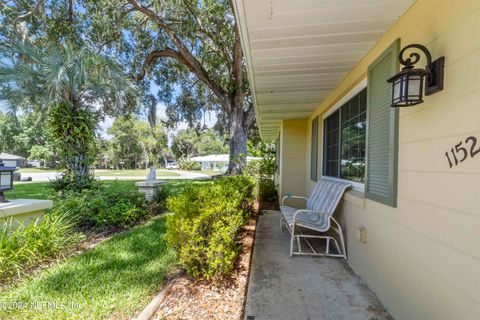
x,y
210,120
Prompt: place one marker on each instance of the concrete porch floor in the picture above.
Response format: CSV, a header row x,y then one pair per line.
x,y
303,287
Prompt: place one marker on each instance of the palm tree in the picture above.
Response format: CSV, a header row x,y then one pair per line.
x,y
72,86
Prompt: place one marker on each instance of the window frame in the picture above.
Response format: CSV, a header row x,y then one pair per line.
x,y
356,185
314,149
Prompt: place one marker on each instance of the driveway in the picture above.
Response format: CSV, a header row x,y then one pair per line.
x,y
51,175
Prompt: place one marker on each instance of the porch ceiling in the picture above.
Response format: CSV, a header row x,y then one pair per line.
x,y
298,51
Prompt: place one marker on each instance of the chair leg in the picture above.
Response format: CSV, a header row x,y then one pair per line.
x,y
291,240
340,234
342,241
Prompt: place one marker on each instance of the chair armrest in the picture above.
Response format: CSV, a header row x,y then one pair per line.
x,y
289,196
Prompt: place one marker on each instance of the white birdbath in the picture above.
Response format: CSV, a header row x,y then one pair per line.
x,y
150,186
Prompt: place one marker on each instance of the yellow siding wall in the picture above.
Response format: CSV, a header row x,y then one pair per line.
x,y
292,166
423,257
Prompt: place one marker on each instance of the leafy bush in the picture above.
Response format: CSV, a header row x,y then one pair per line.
x,y
161,195
267,191
206,224
253,168
186,164
69,182
104,207
120,214
171,189
25,246
261,171
263,167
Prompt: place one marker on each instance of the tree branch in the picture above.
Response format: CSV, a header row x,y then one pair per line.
x,y
183,54
38,7
220,47
154,55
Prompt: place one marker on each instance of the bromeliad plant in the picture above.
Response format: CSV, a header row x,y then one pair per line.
x,y
73,132
74,87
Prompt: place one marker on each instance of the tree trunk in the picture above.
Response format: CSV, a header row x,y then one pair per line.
x,y
238,142
70,11
78,167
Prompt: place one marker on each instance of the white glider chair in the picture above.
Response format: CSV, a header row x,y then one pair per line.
x,y
316,218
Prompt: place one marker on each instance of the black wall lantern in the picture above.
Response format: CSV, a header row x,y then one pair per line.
x,y
6,180
407,85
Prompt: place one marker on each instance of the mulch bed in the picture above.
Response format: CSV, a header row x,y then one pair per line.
x,y
191,299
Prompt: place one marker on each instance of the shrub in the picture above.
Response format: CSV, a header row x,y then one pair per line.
x,y
120,214
206,224
263,167
267,191
25,246
170,189
104,207
254,168
69,182
186,164
160,197
261,171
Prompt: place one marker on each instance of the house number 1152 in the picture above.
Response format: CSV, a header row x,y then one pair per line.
x,y
459,153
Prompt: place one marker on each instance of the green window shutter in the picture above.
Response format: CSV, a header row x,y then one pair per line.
x,y
314,151
382,132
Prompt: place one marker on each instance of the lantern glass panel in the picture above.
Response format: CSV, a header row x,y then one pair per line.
x,y
396,90
414,86
5,180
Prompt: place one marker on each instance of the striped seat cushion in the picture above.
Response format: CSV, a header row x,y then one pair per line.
x,y
324,199
311,220
326,195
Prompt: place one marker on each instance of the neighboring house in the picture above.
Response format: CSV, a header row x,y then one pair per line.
x,y
11,160
217,162
318,71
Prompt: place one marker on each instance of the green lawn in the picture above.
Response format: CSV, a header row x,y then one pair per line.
x,y
35,170
109,173
134,173
29,190
112,281
42,190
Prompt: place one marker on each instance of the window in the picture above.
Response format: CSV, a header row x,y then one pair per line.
x,y
345,136
314,150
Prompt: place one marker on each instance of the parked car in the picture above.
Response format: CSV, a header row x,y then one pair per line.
x,y
172,165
